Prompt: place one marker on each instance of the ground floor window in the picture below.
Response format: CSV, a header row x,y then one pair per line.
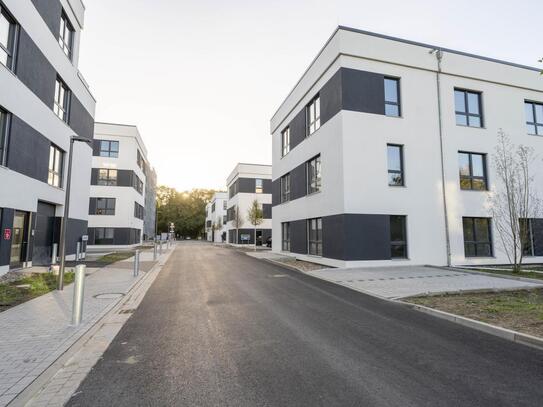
x,y
314,236
530,230
285,235
398,237
477,237
103,236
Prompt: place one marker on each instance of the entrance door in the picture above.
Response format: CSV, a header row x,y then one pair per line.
x,y
19,239
259,238
44,234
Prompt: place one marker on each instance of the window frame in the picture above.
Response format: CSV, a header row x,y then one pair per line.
x,y
285,141
285,237
285,192
402,168
62,111
68,49
314,106
467,114
13,39
472,177
398,96
53,172
317,173
259,189
108,180
108,210
538,126
139,211
5,124
137,183
104,240
109,153
399,243
318,238
477,242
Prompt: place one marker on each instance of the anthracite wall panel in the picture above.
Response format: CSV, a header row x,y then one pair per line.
x,y
362,91
297,129
298,186
331,97
367,237
298,236
276,192
267,186
267,211
80,120
537,229
50,11
6,222
246,185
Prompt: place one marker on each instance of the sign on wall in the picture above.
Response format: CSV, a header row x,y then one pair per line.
x,y
7,234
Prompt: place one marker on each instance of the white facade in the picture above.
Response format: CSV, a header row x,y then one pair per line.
x,y
246,183
352,144
216,230
119,220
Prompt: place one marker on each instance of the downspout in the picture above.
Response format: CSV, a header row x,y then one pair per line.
x,y
439,57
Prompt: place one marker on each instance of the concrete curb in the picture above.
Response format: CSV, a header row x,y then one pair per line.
x,y
463,270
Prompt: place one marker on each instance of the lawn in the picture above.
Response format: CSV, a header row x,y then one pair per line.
x,y
34,285
517,310
116,256
524,273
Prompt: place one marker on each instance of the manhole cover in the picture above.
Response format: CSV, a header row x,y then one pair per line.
x,y
108,296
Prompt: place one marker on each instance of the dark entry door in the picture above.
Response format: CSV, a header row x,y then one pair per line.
x,y
19,239
44,234
259,238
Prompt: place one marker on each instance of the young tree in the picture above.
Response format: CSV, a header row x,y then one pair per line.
x,y
237,221
515,200
255,216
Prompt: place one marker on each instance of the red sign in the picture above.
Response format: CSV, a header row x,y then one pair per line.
x,y
7,234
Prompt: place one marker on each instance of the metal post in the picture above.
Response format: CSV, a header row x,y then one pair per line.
x,y
154,251
137,263
78,251
79,288
54,256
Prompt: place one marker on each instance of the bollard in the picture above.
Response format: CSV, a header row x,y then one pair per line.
x,y
79,288
154,251
78,251
160,247
54,256
137,263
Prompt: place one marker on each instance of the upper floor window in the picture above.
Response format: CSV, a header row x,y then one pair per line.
x,y
105,206
137,184
139,159
285,188
138,211
472,169
477,237
285,142
56,164
259,186
398,237
314,236
395,165
534,117
4,127
224,204
468,108
392,97
107,177
66,36
62,100
313,115
224,219
109,148
314,177
7,38
213,207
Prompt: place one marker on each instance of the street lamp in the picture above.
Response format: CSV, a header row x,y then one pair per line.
x,y
73,139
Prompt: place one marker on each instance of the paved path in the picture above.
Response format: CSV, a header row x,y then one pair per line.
x,y
34,334
219,328
399,282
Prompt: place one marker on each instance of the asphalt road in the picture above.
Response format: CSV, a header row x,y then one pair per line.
x,y
219,328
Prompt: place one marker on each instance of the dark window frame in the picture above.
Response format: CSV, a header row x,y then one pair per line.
x,y
401,172
285,141
259,189
317,174
399,243
62,107
285,237
108,209
108,181
538,126
104,240
55,174
139,211
137,183
285,192
5,122
398,103
313,107
13,39
467,113
472,177
66,27
317,242
109,152
476,242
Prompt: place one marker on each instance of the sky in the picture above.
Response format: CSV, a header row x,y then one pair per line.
x,y
201,79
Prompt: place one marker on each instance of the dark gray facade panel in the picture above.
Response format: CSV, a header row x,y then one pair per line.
x,y
246,185
276,192
367,237
267,186
94,176
298,186
362,91
75,230
333,237
40,81
92,206
28,151
297,129
81,120
44,234
6,222
125,178
298,236
537,229
50,11
96,148
267,211
331,97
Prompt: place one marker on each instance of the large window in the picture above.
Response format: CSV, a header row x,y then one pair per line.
x,y
8,31
392,97
105,206
472,169
314,236
103,236
62,100
107,177
137,183
313,116
285,237
314,181
477,237
138,211
398,237
4,127
139,159
534,117
468,108
395,165
109,148
66,36
224,204
285,188
259,186
56,164
285,142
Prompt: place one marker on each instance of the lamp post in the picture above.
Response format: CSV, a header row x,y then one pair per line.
x,y
73,139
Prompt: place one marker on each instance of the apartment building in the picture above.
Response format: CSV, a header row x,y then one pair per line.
x,y
44,100
216,230
118,191
247,183
149,218
382,153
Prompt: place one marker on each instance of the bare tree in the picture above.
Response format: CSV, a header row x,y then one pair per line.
x,y
237,221
255,216
515,200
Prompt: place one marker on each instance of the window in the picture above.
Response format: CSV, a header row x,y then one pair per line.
x,y
313,116
534,117
4,128
285,188
62,100
213,207
398,237
66,36
109,148
285,142
137,183
56,163
224,220
392,97
472,168
477,237
233,190
468,108
314,175
395,165
285,237
139,159
224,204
105,206
103,235
138,211
314,236
527,237
107,177
8,31
259,186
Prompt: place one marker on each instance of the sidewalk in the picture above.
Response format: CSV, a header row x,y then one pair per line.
x,y
35,334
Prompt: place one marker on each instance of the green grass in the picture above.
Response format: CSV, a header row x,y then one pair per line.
x,y
117,256
39,284
523,273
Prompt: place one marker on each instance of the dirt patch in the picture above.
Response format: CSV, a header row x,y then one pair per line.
x,y
517,310
302,265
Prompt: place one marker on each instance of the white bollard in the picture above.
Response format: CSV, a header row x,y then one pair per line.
x,y
137,263
54,255
79,290
78,251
